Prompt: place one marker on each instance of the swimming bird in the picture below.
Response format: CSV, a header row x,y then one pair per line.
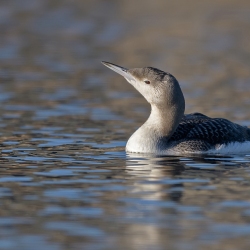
x,y
168,130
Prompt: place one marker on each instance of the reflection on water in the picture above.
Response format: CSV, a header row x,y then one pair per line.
x,y
66,182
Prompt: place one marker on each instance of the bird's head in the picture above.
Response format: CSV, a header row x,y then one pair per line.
x,y
158,87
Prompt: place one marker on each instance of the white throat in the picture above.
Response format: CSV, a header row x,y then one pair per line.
x,y
153,135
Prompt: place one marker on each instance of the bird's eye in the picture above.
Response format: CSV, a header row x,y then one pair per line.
x,y
147,82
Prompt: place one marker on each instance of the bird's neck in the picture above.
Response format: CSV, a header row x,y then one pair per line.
x,y
153,135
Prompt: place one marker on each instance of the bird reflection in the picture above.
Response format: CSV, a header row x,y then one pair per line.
x,y
152,175
160,177
167,191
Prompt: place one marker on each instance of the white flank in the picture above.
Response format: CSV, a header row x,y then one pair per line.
x,y
232,148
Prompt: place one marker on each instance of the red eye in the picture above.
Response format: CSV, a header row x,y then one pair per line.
x,y
147,82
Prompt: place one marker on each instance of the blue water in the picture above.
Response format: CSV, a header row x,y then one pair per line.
x,y
65,179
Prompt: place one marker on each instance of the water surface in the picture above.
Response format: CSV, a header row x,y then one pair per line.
x,y
66,181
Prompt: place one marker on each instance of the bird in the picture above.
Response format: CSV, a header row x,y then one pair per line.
x,y
168,130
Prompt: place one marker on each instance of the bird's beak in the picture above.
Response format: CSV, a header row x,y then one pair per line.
x,y
120,70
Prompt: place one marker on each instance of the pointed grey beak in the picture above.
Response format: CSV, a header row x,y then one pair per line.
x,y
120,70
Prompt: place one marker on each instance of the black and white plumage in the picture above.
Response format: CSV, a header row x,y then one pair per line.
x,y
207,133
212,130
167,129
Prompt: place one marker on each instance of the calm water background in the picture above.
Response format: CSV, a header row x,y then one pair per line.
x,y
66,182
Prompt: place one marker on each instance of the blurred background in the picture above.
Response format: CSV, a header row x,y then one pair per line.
x,y
65,119
46,45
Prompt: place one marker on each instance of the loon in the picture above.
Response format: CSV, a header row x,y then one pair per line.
x,y
168,130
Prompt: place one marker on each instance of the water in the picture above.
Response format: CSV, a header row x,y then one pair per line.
x,y
66,182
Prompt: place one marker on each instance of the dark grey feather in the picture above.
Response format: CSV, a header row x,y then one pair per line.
x,y
212,131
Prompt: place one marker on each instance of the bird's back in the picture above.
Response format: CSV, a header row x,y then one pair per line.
x,y
210,131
